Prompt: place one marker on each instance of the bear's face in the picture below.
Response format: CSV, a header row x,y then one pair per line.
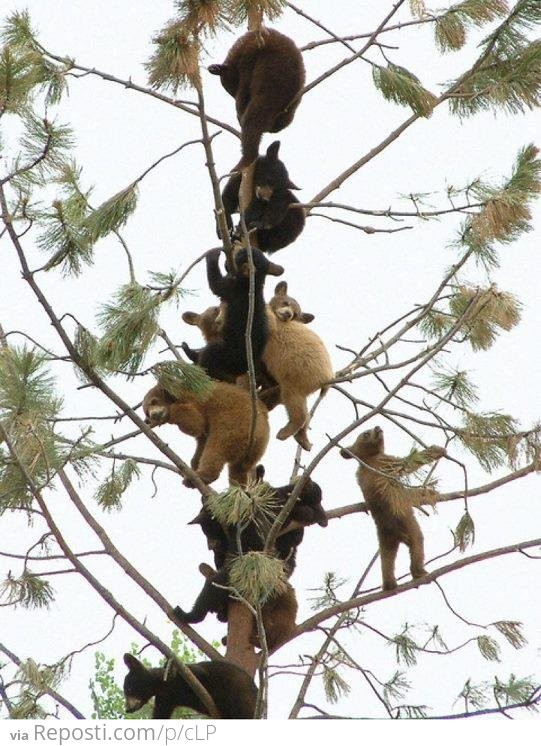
x,y
156,406
286,308
262,265
139,686
369,443
210,322
270,174
311,497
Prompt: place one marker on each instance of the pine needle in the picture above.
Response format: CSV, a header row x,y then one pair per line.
x,y
175,62
29,591
111,214
489,648
451,27
254,12
202,16
402,87
464,534
487,436
493,310
241,506
512,632
109,494
178,378
257,577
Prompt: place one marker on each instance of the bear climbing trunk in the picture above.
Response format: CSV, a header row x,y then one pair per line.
x,y
240,622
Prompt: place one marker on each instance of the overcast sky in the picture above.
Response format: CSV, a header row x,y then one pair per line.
x,y
354,283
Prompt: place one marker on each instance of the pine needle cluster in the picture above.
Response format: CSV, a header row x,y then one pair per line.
x,y
29,591
178,377
402,87
485,312
109,494
508,76
487,436
239,506
455,386
464,533
28,405
334,684
451,27
257,577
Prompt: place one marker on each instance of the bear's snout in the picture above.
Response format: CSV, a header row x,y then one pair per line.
x,y
157,415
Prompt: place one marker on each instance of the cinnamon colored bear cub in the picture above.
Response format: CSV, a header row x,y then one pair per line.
x,y
233,691
264,72
391,504
221,421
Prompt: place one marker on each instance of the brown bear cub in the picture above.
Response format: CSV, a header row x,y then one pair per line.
x,y
268,216
264,72
296,358
391,503
220,421
233,691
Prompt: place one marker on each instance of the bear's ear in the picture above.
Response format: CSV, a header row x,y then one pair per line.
x,y
207,571
198,519
132,662
290,184
272,150
306,318
190,317
274,269
281,288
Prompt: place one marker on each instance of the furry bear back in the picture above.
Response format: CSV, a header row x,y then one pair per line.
x,y
295,356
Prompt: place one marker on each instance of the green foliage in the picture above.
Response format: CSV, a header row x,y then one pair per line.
x,y
487,436
178,377
514,690
238,506
29,591
405,648
257,577
109,494
108,696
412,712
396,688
508,76
402,87
253,12
334,684
88,350
489,648
455,386
473,695
175,62
65,235
202,16
28,403
111,214
43,149
327,593
130,326
464,534
450,29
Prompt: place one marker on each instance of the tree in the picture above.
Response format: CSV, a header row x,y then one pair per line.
x,y
70,368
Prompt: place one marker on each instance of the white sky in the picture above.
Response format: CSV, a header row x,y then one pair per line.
x,y
354,283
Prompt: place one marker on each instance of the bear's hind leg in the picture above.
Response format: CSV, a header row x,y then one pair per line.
x,y
388,549
297,411
415,543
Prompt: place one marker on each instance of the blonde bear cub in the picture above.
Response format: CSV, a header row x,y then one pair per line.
x,y
297,359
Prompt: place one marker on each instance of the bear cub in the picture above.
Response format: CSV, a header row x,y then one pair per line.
x,y
268,214
391,504
264,72
233,691
226,357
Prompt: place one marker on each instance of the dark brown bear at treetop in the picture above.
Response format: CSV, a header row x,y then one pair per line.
x,y
391,503
264,72
221,421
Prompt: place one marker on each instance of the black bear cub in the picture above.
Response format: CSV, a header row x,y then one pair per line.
x,y
264,72
233,691
269,213
227,357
